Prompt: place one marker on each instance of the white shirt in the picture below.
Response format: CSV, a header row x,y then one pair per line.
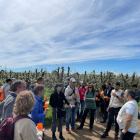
x,y
114,101
129,109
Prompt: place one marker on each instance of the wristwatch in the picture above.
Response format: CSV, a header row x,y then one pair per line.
x,y
117,97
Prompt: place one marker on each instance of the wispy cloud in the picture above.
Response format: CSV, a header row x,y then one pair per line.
x,y
34,32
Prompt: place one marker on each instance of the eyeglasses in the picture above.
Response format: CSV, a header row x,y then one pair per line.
x,y
89,87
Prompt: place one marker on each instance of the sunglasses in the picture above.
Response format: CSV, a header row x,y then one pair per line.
x,y
89,87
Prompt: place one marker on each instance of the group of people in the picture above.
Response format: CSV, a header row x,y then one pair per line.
x,y
24,99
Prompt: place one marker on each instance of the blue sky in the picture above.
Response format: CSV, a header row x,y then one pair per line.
x,y
96,34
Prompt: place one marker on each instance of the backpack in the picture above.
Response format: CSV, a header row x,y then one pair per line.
x,y
7,127
2,96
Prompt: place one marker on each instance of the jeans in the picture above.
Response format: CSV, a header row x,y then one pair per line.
x,y
96,115
91,117
127,136
105,112
54,121
113,112
82,105
71,112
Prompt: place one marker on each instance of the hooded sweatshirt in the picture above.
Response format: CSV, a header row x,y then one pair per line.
x,y
6,106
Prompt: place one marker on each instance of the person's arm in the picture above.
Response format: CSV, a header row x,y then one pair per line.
x,y
34,113
128,122
51,100
121,100
1,106
65,100
67,95
87,99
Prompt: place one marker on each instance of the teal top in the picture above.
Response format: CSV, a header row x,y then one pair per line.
x,y
89,103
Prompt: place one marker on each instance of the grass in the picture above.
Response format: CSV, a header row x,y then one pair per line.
x,y
48,118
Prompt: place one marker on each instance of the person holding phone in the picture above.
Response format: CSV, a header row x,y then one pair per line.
x,y
90,105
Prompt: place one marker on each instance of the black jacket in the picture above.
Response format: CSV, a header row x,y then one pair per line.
x,y
98,103
57,100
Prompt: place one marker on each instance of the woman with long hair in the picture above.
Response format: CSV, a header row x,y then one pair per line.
x,y
82,91
57,100
90,105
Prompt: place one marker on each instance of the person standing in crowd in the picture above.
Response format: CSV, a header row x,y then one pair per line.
x,y
135,87
6,86
103,87
116,102
37,113
56,101
66,84
82,91
40,81
128,116
90,104
72,96
98,104
28,83
6,106
25,127
107,95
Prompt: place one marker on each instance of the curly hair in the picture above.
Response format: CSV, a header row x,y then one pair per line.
x,y
24,103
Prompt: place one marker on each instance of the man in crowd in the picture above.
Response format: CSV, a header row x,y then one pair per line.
x,y
128,116
72,96
6,106
107,95
116,102
66,84
40,81
6,86
28,83
135,87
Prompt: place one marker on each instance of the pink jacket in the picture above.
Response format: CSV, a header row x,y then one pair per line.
x,y
82,92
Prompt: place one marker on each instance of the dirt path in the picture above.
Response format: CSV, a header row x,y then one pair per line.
x,y
84,134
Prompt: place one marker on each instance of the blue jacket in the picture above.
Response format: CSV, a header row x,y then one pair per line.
x,y
37,113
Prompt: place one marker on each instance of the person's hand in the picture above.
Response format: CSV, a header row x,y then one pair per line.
x,y
45,100
114,94
74,97
71,106
46,110
98,99
107,109
93,99
78,104
124,131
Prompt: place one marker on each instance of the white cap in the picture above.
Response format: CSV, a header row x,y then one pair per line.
x,y
81,82
72,80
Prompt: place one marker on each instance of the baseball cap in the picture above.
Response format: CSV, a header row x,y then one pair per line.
x,y
68,78
81,82
73,80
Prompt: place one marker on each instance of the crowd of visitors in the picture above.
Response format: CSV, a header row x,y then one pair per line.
x,y
24,106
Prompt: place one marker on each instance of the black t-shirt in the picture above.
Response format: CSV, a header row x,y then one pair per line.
x,y
108,94
98,103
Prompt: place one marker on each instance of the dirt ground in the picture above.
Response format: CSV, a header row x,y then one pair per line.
x,y
84,134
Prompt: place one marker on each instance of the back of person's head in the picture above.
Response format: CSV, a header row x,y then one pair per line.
x,y
131,93
15,85
39,79
9,80
38,88
24,103
134,85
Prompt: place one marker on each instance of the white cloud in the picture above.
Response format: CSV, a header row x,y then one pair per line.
x,y
44,32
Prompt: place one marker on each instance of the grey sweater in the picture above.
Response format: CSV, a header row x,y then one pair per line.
x,y
6,106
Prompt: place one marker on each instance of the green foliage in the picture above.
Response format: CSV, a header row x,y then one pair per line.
x,y
48,118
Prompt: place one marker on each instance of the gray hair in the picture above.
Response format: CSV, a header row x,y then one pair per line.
x,y
131,93
16,84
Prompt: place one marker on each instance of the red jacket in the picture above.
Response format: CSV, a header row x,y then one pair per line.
x,y
82,92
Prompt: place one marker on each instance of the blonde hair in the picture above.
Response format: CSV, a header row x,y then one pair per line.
x,y
24,103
